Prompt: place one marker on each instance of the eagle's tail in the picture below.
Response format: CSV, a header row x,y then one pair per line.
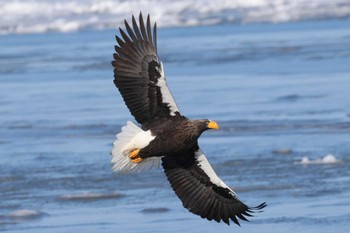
x,y
131,137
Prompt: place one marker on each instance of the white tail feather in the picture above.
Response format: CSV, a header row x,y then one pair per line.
x,y
132,137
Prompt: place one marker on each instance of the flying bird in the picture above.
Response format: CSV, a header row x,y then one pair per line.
x,y
166,136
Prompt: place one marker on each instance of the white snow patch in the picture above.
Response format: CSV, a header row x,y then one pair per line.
x,y
40,16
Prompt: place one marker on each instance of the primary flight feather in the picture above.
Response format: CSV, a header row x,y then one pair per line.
x,y
166,136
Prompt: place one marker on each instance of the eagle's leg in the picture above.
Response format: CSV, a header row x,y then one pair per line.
x,y
134,156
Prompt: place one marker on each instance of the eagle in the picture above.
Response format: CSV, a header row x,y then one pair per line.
x,y
165,136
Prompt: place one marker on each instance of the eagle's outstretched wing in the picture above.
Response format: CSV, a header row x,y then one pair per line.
x,y
201,191
139,75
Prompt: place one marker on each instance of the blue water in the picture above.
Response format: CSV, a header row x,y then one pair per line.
x,y
280,92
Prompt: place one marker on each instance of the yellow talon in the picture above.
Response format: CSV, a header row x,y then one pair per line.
x,y
134,156
137,160
134,153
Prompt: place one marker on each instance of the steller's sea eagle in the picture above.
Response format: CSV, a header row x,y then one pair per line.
x,y
166,136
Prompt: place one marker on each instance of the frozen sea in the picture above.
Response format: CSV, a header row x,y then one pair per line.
x,y
280,93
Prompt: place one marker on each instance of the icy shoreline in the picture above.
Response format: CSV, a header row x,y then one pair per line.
x,y
38,16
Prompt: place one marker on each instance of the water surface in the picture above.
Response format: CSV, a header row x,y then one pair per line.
x,y
279,93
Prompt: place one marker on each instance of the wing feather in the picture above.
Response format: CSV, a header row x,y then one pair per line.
x,y
149,31
139,75
130,32
155,37
201,191
142,26
136,29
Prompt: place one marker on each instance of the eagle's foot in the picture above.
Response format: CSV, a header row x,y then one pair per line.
x,y
134,156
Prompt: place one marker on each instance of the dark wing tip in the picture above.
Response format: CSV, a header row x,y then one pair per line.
x,y
119,41
255,209
155,37
149,30
130,31
241,212
241,216
234,219
125,36
259,207
136,28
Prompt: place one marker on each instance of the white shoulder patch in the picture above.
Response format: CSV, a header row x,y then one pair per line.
x,y
167,97
207,168
132,137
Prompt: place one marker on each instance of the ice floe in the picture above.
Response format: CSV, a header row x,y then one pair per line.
x,y
328,159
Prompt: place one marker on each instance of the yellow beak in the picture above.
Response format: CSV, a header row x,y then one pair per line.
x,y
213,125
